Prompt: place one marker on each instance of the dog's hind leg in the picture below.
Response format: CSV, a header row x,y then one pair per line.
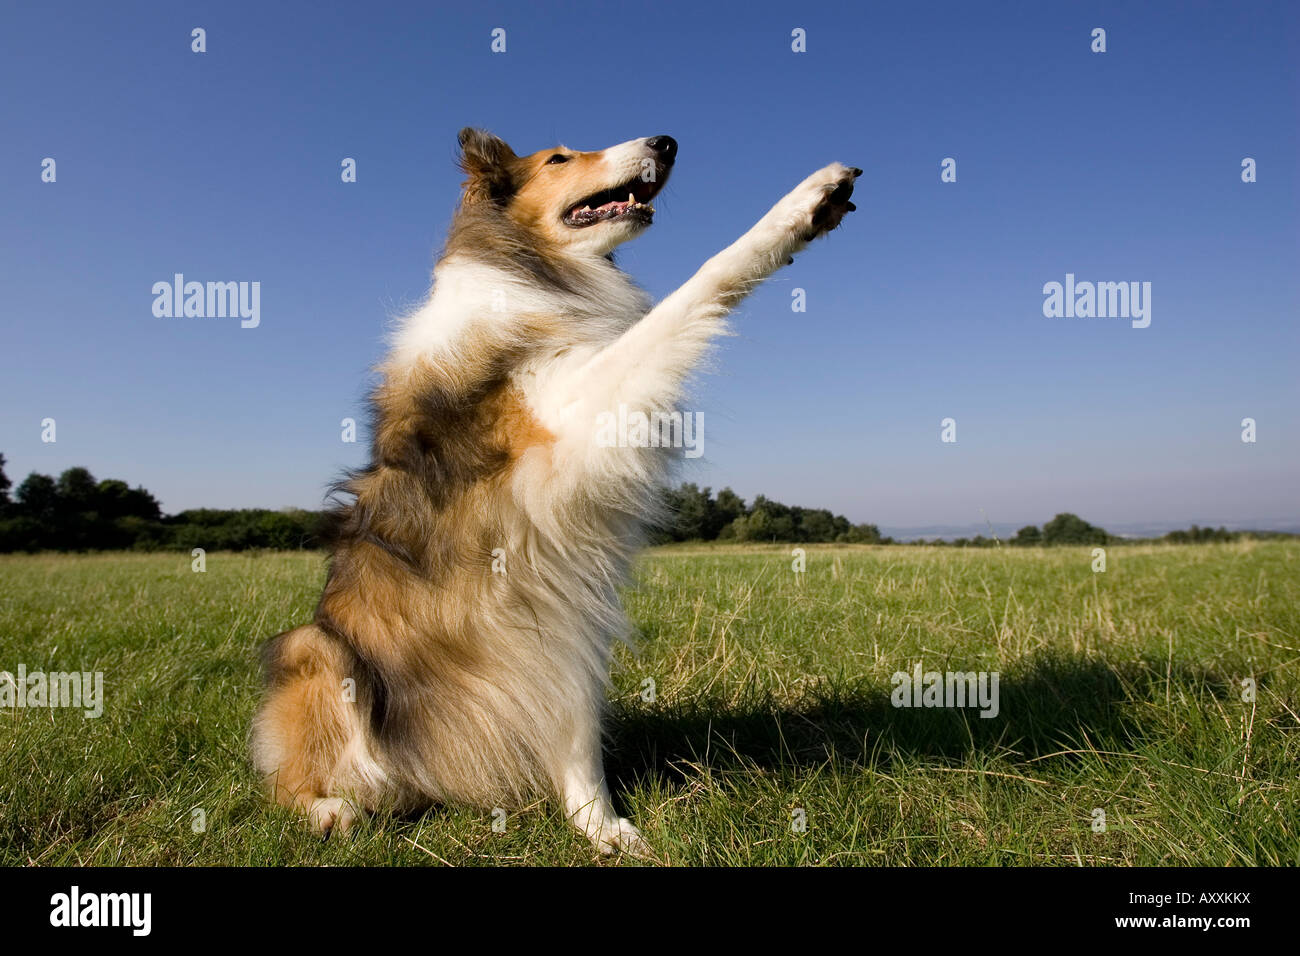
x,y
308,739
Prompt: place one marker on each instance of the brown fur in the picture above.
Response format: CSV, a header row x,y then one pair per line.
x,y
510,205
399,614
306,668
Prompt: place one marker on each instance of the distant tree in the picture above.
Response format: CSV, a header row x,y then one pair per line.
x,y
5,485
1028,536
1067,528
691,514
692,518
818,525
76,489
1197,535
770,520
862,534
727,508
281,530
39,497
31,522
755,526
114,499
20,533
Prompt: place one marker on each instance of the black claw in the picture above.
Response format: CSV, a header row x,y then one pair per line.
x,y
789,260
856,172
851,208
842,192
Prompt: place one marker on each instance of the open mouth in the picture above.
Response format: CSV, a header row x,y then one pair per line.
x,y
630,201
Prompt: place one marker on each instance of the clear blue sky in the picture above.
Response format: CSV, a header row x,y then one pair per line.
x,y
1122,166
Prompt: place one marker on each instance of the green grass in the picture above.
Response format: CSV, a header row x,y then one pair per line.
x,y
1119,691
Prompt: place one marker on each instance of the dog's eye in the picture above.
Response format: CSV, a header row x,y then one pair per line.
x,y
557,158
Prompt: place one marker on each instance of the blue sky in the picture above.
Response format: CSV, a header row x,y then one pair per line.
x,y
1119,166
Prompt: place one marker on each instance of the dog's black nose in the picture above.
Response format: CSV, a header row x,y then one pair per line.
x,y
665,146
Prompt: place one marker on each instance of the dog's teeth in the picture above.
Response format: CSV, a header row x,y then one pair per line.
x,y
631,199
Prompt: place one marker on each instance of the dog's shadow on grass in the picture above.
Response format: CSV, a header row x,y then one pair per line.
x,y
1056,704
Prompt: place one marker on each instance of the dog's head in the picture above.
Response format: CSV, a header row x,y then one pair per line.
x,y
579,202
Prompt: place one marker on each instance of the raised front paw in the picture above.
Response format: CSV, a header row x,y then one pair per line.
x,y
812,208
824,197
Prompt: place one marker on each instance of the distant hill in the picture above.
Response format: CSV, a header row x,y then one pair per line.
x,y
1155,529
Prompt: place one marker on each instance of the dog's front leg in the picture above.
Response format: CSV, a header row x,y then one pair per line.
x,y
646,367
585,795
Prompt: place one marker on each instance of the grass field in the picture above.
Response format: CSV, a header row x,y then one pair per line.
x,y
1119,691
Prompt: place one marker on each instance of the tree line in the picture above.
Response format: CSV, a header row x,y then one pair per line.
x,y
77,512
696,514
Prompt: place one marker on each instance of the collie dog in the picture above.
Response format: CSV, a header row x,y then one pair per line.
x,y
460,650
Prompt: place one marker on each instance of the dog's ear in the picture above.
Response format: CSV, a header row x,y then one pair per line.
x,y
487,160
